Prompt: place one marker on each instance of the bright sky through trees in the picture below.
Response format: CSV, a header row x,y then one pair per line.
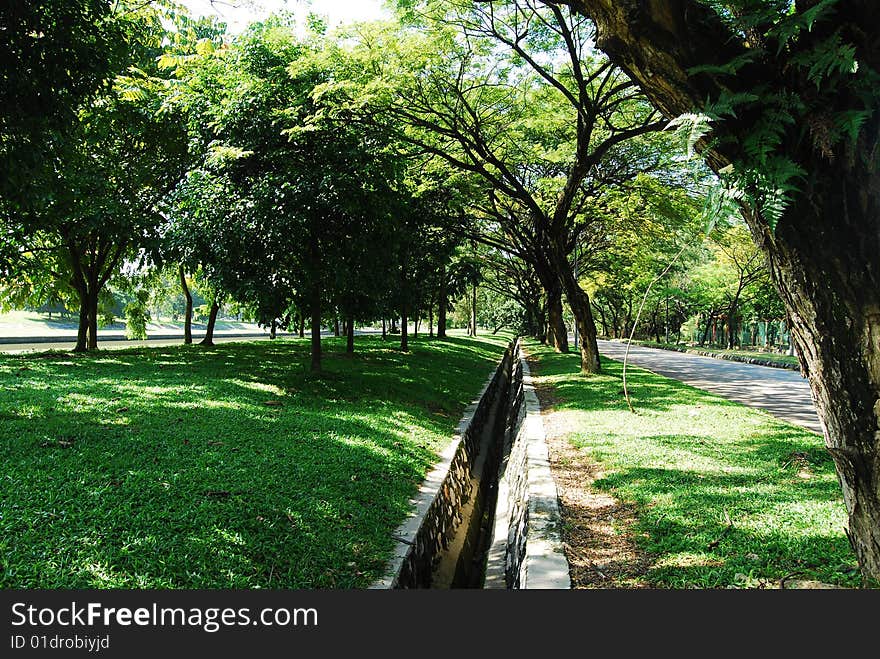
x,y
238,13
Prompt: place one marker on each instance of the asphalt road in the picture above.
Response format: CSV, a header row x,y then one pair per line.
x,y
68,344
781,392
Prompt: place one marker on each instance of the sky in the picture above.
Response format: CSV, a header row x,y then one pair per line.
x,y
238,13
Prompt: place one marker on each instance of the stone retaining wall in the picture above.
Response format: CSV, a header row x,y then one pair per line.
x,y
526,549
437,516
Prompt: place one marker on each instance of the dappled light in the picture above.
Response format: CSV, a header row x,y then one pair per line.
x,y
176,452
718,489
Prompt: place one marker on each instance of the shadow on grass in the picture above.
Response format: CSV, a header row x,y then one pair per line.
x,y
220,468
726,495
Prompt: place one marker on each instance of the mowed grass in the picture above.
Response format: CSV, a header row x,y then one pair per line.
x,y
229,467
727,496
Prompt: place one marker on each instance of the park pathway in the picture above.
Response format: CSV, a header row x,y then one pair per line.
x,y
781,392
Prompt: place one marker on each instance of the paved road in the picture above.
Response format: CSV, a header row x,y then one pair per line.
x,y
781,392
68,344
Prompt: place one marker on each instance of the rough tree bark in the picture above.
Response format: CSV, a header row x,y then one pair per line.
x,y
557,333
582,310
823,255
187,318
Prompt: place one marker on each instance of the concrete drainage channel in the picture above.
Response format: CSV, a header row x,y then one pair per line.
x,y
487,516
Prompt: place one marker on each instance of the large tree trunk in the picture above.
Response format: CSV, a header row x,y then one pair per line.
x,y
302,325
823,255
557,332
187,319
349,334
208,340
581,308
384,330
441,304
833,302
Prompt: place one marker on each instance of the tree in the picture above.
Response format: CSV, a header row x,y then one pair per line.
x,y
480,116
101,204
304,195
782,99
55,56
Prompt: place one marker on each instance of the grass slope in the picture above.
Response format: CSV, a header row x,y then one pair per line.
x,y
690,461
229,467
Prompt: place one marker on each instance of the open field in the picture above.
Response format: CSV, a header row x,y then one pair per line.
x,y
230,467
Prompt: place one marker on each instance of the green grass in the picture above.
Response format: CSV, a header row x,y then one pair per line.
x,y
229,467
689,461
748,354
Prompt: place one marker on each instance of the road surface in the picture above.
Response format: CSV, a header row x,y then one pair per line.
x,y
781,392
68,344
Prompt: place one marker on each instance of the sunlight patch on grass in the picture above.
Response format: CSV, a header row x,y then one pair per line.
x,y
731,489
165,468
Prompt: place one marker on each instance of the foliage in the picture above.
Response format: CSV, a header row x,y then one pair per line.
x,y
137,315
825,99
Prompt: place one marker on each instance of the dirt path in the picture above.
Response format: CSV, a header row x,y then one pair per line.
x,y
596,528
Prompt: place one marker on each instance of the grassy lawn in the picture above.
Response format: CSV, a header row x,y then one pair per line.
x,y
748,354
726,495
230,467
